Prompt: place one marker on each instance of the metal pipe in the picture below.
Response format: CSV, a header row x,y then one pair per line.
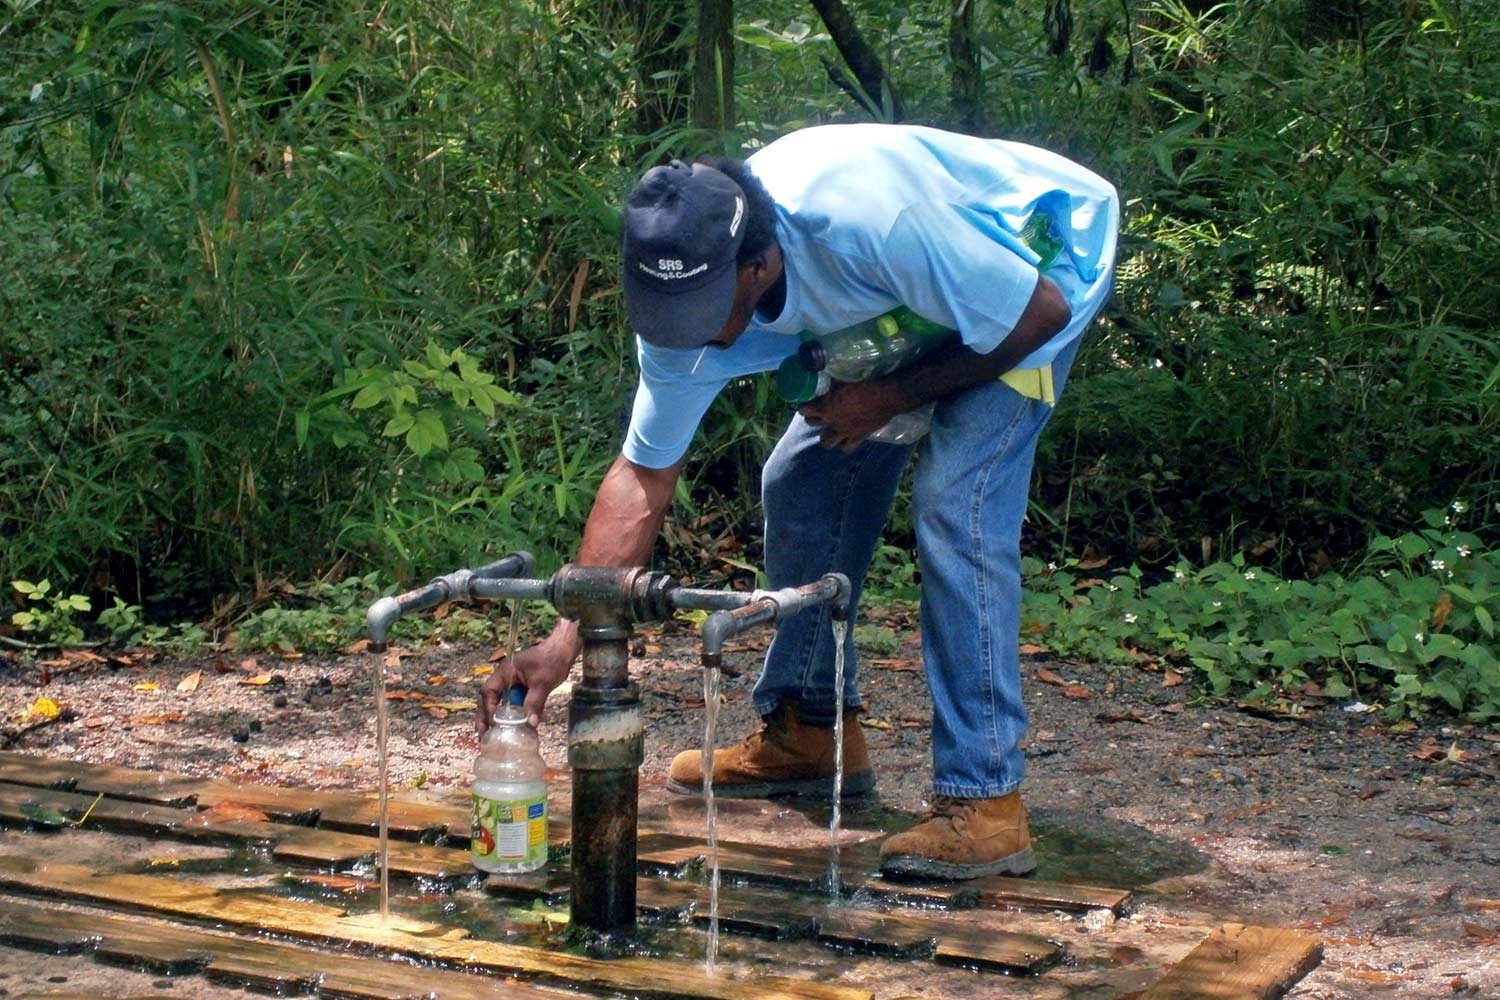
x,y
455,586
773,606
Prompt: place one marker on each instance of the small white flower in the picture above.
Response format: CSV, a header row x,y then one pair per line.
x,y
1458,506
1420,637
1178,575
1218,604
1438,564
1128,618
1384,573
1052,567
1250,575
1463,552
1112,587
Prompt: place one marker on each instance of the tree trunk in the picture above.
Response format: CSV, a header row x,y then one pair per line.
x,y
713,66
872,87
658,26
964,58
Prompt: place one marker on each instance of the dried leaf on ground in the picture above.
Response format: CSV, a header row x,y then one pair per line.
x,y
1031,649
483,671
1482,934
358,646
1129,715
394,657
191,681
499,654
1077,691
1433,752
147,686
404,696
156,720
1441,611
1249,811
896,664
42,708
229,811
451,706
1050,677
1174,708
1476,904
870,723
1170,678
259,680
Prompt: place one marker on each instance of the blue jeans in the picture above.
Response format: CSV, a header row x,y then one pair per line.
x,y
825,510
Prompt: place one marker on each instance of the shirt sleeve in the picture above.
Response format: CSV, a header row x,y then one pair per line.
x,y
669,406
952,265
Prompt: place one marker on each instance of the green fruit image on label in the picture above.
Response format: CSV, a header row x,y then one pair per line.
x,y
509,830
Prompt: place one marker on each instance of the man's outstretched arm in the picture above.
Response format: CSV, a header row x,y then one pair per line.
x,y
628,511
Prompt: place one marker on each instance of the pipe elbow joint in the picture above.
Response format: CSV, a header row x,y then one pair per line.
x,y
379,618
717,628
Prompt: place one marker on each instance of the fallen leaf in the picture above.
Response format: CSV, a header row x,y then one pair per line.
x,y
1129,715
404,696
156,720
228,811
442,611
393,658
1331,920
95,721
1049,677
190,682
341,883
870,723
259,680
435,712
1368,792
896,664
1249,811
437,679
1170,678
499,654
1174,708
1092,563
249,665
1483,934
451,706
483,671
358,646
1077,691
1028,649
42,708
1441,611
1377,975
1476,904
146,686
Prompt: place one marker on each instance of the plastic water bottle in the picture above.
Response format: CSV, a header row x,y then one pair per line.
x,y
509,832
866,350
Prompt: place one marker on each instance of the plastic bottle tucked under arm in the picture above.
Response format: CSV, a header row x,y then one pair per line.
x,y
866,350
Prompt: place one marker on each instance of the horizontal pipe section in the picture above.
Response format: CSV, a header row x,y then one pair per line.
x,y
455,586
773,606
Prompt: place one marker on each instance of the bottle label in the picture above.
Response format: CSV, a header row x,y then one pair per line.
x,y
509,829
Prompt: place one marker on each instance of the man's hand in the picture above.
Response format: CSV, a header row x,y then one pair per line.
x,y
541,668
852,411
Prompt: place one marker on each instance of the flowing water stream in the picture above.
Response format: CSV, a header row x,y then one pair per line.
x,y
710,737
382,727
835,880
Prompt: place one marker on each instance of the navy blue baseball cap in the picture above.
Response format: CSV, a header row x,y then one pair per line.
x,y
681,230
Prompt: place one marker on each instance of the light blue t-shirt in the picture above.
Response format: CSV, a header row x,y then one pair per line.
x,y
870,217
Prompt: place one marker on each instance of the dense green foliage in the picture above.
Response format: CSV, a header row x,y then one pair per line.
x,y
308,291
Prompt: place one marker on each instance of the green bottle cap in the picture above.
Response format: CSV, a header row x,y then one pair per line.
x,y
794,382
887,326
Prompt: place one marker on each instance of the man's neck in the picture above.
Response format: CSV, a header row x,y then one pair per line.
x,y
773,301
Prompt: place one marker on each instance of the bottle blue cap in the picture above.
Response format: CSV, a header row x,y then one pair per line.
x,y
516,695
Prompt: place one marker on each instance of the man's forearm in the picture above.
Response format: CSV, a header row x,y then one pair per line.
x,y
956,367
628,511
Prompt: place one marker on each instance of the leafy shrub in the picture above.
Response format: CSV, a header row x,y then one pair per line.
x,y
1415,630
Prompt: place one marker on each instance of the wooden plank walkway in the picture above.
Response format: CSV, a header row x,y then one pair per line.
x,y
316,922
660,852
1238,962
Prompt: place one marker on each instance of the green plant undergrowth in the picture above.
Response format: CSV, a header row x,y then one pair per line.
x,y
1413,630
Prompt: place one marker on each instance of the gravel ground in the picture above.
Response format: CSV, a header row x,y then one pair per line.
x,y
1386,842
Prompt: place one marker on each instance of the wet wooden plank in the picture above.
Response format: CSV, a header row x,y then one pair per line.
x,y
876,934
552,885
1239,962
263,965
741,911
971,946
19,805
317,922
118,782
1033,894
333,849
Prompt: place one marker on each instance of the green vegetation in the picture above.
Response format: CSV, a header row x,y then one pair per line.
x,y
302,292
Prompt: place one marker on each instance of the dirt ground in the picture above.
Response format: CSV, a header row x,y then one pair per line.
x,y
1384,840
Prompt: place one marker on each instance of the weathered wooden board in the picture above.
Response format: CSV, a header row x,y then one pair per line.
x,y
659,853
1237,962
164,948
317,922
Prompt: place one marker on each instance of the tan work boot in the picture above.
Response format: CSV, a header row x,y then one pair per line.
x,y
786,757
963,838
